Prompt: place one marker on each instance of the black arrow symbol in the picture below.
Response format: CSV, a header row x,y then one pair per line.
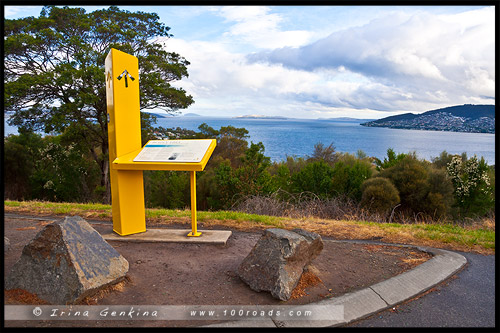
x,y
126,74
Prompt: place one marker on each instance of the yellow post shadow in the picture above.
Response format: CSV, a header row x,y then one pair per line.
x,y
124,136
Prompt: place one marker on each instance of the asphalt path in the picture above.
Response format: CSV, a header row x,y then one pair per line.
x,y
465,300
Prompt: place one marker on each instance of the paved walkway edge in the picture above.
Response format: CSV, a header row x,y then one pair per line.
x,y
380,296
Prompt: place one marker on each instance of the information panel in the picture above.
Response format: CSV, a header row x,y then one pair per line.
x,y
185,151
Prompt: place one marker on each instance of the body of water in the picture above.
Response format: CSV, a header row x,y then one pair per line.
x,y
297,137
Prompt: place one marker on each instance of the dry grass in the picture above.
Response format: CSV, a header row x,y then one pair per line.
x,y
415,234
103,292
21,296
307,279
473,236
26,228
414,261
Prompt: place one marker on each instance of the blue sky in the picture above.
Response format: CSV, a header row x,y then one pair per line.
x,y
328,61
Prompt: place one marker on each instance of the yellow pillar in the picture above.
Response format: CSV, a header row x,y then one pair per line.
x,y
194,232
124,136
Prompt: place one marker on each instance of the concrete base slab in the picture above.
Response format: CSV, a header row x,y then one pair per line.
x,y
172,236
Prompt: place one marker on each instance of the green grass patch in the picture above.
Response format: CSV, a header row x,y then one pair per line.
x,y
217,215
241,217
103,211
453,234
441,233
13,203
159,213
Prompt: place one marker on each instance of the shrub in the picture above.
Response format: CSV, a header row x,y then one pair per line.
x,y
226,186
280,174
315,177
410,177
207,190
46,168
251,178
322,153
379,194
294,164
442,160
18,166
167,189
253,174
391,160
61,174
348,176
472,188
422,188
439,200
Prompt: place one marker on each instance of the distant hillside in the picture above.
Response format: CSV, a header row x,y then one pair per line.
x,y
258,116
460,118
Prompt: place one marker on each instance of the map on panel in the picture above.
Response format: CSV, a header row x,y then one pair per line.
x,y
185,151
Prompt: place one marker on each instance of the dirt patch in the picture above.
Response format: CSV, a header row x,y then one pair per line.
x,y
201,274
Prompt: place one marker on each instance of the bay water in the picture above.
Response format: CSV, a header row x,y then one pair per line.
x,y
297,137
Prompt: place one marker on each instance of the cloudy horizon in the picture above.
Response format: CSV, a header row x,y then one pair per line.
x,y
328,61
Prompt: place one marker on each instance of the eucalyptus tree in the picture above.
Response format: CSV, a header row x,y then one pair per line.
x,y
54,72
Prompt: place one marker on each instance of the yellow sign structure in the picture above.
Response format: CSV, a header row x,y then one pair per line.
x,y
128,159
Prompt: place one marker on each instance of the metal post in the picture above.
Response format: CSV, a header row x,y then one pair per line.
x,y
194,232
124,136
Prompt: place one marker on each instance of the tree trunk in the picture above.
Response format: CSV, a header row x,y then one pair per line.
x,y
105,182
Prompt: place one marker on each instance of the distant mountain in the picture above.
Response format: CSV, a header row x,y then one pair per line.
x,y
258,116
460,118
168,115
158,115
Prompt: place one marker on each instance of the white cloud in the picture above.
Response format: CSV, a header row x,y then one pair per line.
x,y
396,63
406,59
225,81
257,26
367,60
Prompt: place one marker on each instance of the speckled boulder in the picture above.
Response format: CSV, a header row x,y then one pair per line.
x,y
65,262
278,259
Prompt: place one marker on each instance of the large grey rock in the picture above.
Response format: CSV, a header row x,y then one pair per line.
x,y
277,261
65,262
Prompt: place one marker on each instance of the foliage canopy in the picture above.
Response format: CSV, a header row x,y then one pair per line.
x,y
54,71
